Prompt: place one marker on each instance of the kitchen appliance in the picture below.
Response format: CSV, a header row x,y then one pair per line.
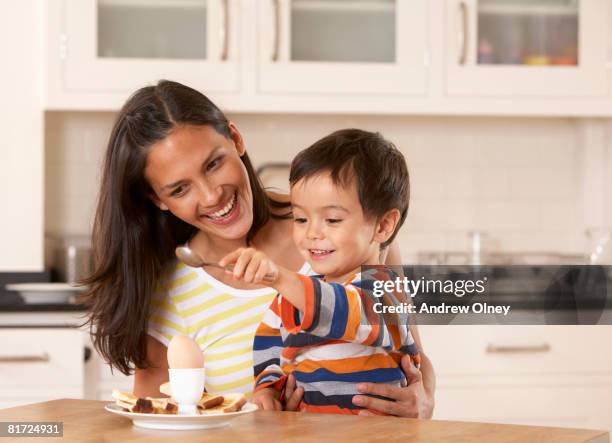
x,y
72,259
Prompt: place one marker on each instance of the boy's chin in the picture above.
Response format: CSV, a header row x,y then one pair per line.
x,y
328,271
318,268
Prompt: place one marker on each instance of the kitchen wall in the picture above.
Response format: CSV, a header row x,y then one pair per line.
x,y
21,120
522,181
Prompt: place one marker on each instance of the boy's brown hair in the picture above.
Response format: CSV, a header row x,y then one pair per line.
x,y
378,167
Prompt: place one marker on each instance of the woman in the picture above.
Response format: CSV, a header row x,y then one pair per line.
x,y
176,170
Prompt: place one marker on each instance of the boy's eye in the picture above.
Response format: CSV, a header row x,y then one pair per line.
x,y
299,220
333,220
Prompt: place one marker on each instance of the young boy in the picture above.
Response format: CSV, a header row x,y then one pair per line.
x,y
349,197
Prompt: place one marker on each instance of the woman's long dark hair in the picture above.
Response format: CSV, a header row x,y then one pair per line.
x,y
133,240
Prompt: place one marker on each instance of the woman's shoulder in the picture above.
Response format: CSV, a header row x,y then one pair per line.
x,y
172,273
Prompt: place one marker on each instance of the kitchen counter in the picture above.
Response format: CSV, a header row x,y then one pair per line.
x,y
24,307
86,421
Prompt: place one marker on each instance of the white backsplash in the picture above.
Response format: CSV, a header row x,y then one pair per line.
x,y
519,180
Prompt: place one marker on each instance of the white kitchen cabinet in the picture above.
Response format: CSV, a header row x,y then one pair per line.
x,y
101,380
532,375
420,57
518,48
342,47
40,364
122,45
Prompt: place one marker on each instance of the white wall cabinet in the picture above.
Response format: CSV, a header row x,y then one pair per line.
x,y
121,45
339,47
508,57
514,48
532,375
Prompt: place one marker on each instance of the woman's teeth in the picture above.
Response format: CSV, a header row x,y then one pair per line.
x,y
223,211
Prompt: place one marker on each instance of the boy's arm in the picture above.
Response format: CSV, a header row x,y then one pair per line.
x,y
338,312
290,285
327,310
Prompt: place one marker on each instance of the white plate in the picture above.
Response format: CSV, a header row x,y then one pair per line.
x,y
180,422
45,293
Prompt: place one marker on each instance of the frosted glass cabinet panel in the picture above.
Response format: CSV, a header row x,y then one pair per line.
x,y
121,45
526,47
527,32
344,30
342,46
152,29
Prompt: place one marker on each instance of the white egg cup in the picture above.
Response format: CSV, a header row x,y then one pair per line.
x,y
187,387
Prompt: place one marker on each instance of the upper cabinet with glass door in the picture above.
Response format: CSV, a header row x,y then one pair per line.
x,y
121,45
342,46
526,47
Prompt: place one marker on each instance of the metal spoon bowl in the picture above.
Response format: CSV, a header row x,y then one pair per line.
x,y
191,258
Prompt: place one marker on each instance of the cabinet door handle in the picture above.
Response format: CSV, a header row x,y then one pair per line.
x,y
518,349
41,358
277,30
226,31
465,23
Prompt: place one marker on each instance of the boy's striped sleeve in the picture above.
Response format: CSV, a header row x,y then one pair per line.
x,y
340,312
267,348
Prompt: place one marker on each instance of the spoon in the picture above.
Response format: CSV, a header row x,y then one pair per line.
x,y
191,258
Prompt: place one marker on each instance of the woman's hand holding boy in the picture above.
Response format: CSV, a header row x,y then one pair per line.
x,y
412,401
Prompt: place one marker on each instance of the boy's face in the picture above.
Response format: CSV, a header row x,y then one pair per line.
x,y
330,229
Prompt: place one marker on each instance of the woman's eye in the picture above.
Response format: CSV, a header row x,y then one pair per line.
x,y
214,163
299,220
177,192
333,220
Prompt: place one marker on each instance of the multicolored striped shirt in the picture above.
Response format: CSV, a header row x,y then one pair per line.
x,y
220,318
338,341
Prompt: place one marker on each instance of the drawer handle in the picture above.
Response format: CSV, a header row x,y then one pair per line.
x,y
42,358
520,349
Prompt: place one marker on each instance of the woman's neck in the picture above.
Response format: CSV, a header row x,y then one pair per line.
x,y
213,248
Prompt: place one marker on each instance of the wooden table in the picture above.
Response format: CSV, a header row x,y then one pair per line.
x,y
87,421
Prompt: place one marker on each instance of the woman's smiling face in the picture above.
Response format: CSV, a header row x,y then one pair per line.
x,y
197,174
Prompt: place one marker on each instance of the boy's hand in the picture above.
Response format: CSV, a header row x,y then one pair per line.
x,y
268,399
251,266
293,394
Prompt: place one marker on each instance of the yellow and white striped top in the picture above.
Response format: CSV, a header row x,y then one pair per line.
x,y
221,319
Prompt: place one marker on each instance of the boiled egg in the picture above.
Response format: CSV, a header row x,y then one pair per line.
x,y
184,353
